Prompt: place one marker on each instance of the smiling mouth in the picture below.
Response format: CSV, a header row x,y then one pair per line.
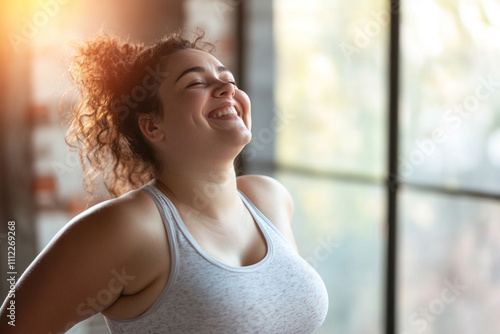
x,y
227,111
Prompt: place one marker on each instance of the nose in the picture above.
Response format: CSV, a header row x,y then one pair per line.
x,y
224,89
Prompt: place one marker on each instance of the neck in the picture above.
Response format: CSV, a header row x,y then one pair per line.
x,y
210,191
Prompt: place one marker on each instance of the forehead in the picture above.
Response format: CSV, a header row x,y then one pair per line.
x,y
181,60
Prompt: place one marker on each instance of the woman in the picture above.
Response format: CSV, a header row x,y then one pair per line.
x,y
195,249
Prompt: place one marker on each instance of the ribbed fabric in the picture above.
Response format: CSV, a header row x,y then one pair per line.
x,y
280,294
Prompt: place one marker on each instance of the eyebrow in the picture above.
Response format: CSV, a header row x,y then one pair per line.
x,y
200,69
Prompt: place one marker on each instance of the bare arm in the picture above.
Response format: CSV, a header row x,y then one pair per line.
x,y
83,271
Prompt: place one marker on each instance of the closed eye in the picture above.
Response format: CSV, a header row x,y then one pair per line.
x,y
203,83
195,83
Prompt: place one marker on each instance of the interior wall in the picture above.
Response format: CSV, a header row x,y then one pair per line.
x,y
15,148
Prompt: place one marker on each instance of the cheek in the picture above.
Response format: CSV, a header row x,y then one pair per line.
x,y
243,98
244,101
178,109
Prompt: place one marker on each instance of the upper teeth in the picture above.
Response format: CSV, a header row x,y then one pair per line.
x,y
225,111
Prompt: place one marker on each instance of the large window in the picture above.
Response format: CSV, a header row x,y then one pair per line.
x,y
331,148
449,217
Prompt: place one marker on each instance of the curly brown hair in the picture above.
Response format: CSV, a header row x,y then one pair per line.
x,y
118,81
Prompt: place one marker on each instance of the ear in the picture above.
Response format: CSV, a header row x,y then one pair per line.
x,y
150,129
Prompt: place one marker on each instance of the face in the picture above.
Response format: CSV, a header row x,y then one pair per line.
x,y
204,112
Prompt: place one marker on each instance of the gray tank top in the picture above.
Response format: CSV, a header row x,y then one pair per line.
x,y
280,294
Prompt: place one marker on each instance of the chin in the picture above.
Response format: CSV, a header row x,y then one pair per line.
x,y
241,142
246,138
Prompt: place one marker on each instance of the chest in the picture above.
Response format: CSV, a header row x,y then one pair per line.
x,y
240,245
280,294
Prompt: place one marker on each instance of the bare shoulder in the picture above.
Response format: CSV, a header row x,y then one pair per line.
x,y
121,232
267,193
272,199
96,253
123,215
118,224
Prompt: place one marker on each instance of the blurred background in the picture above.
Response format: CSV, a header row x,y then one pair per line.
x,y
318,74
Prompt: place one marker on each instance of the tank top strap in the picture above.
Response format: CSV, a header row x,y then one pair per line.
x,y
167,212
165,207
257,213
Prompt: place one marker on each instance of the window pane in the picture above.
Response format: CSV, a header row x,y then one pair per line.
x,y
331,84
338,229
449,273
450,93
